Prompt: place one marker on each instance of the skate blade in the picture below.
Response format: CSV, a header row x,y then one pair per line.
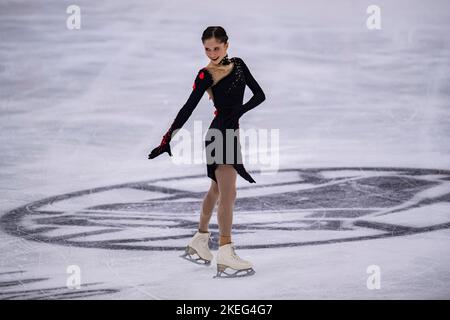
x,y
190,254
222,274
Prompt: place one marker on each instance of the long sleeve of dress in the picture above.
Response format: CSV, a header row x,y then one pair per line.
x,y
258,94
202,81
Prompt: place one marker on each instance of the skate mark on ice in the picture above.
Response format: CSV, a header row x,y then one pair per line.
x,y
12,289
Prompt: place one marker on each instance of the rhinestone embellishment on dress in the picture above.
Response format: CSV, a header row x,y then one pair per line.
x,y
239,75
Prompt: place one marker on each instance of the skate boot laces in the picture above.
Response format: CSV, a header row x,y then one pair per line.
x,y
234,255
205,240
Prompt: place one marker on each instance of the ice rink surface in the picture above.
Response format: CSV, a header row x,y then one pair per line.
x,y
364,152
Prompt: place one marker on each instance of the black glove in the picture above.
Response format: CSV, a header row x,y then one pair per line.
x,y
159,150
163,147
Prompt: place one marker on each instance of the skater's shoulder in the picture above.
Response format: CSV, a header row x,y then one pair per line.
x,y
204,73
203,78
238,60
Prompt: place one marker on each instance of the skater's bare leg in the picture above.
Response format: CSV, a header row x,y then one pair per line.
x,y
226,180
209,202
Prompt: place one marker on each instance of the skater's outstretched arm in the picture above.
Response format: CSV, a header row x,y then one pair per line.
x,y
202,81
258,94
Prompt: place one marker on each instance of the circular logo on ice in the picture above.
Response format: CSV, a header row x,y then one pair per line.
x,y
293,207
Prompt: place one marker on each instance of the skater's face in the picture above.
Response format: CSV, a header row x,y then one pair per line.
x,y
215,50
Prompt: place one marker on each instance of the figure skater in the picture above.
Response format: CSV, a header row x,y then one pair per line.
x,y
225,80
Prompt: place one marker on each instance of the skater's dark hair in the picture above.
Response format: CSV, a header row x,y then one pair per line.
x,y
215,32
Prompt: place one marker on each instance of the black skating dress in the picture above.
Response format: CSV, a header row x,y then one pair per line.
x,y
227,92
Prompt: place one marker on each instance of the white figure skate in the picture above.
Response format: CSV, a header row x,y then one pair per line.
x,y
228,259
197,250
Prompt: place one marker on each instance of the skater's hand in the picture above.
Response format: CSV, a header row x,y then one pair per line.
x,y
159,150
164,146
239,111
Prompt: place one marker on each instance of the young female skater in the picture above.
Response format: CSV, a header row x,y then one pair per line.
x,y
224,79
